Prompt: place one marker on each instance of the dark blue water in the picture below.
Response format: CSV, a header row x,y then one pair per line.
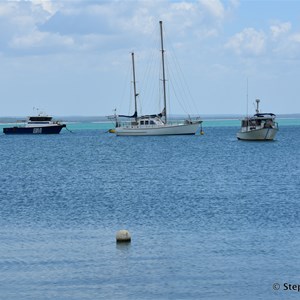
x,y
211,217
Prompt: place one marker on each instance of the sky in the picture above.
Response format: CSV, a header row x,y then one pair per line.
x,y
73,57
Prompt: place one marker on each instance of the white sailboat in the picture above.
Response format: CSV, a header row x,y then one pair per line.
x,y
259,127
156,124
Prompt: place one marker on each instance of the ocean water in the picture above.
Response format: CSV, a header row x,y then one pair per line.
x,y
211,217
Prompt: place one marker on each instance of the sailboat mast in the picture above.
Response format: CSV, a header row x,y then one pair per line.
x,y
134,87
163,70
247,114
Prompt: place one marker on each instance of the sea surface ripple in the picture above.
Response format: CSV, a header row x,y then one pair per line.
x,y
211,217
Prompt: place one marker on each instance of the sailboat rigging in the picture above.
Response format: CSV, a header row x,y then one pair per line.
x,y
134,90
155,124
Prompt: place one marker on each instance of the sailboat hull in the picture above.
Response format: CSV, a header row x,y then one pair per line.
x,y
169,129
263,134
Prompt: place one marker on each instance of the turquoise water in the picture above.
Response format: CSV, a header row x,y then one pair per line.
x,y
211,217
207,123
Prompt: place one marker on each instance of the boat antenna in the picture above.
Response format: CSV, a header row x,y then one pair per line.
x,y
163,70
134,87
247,98
257,105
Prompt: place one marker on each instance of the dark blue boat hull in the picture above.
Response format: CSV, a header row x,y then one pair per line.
x,y
34,130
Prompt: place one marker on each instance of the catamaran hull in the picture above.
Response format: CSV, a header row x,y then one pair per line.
x,y
55,129
183,129
263,134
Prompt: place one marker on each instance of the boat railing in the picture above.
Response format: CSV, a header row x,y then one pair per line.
x,y
133,124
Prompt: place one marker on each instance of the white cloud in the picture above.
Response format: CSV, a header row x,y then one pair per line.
x,y
285,43
295,38
249,41
280,42
47,6
118,22
280,29
206,33
234,3
40,40
21,18
7,8
289,47
214,7
184,6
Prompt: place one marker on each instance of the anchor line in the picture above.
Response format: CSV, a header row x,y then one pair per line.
x,y
267,134
69,129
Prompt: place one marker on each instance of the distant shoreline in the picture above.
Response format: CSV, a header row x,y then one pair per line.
x,y
104,119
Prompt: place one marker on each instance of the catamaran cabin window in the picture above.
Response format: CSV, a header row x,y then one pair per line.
x,y
146,122
142,122
152,122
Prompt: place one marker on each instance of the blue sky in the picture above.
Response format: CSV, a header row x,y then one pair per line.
x,y
72,57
